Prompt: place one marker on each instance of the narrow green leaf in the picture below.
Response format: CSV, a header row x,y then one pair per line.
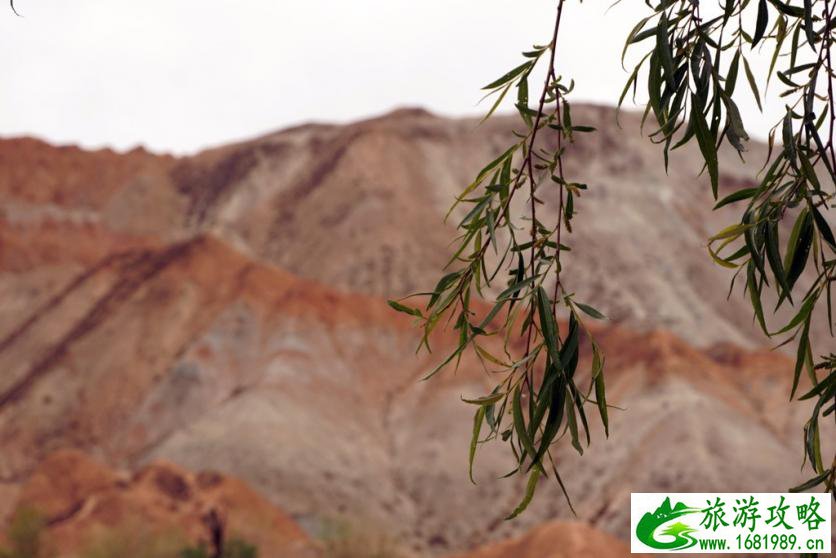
x,y
591,311
664,49
547,324
731,76
486,400
405,309
516,287
736,132
573,424
563,488
600,387
707,144
800,317
784,8
478,418
520,429
825,388
812,483
808,23
760,25
743,194
508,76
755,296
789,143
800,248
823,227
531,487
803,345
497,102
773,256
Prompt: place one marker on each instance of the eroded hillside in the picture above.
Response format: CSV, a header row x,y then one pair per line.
x,y
227,311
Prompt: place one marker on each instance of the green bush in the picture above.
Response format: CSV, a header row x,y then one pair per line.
x,y
235,548
342,540
133,540
26,535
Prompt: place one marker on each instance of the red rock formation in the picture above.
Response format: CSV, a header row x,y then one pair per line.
x,y
556,539
80,498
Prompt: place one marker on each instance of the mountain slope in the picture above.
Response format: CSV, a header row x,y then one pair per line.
x,y
195,353
227,310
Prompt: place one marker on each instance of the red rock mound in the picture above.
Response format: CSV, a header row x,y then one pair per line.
x,y
556,539
79,497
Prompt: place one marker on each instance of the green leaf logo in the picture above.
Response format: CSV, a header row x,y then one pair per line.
x,y
664,514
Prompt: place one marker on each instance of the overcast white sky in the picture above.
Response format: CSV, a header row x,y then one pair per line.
x,y
184,74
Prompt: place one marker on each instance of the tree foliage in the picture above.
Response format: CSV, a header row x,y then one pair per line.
x,y
693,64
696,55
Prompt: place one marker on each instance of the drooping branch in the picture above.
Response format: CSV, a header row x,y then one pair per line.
x,y
537,396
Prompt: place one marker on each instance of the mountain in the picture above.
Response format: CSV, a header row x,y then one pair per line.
x,y
358,207
227,311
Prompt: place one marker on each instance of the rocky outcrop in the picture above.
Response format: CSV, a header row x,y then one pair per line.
x,y
556,539
81,499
